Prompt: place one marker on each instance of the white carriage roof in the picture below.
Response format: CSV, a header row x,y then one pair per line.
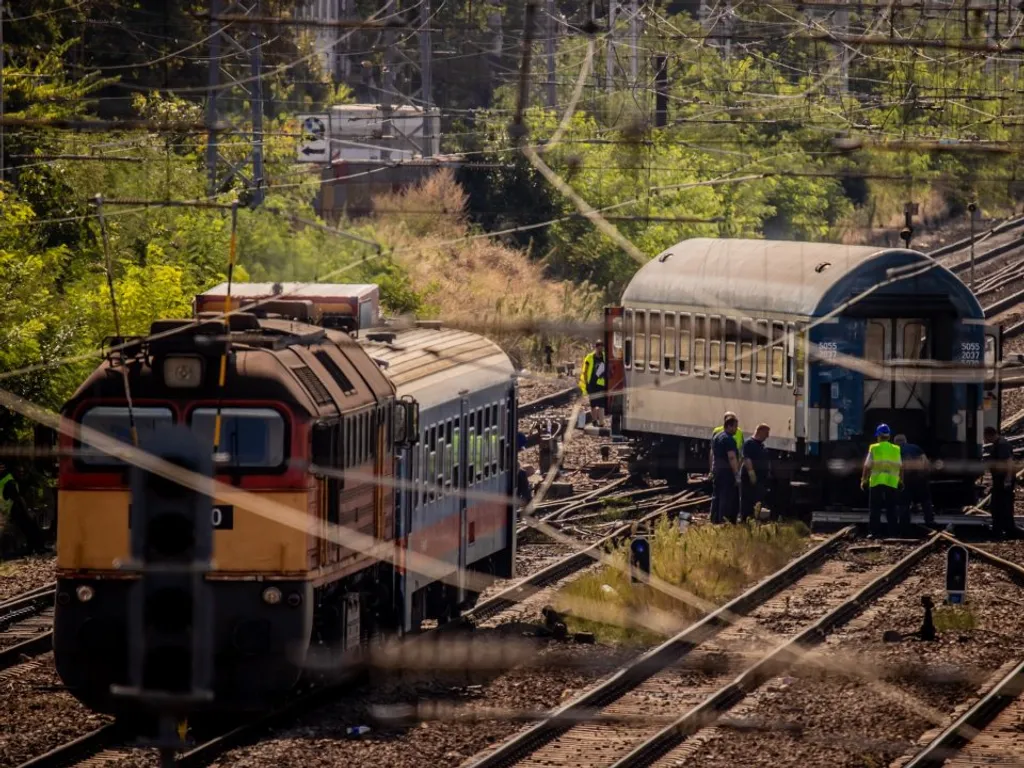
x,y
770,276
433,365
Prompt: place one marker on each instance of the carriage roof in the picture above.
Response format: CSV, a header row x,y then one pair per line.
x,y
770,277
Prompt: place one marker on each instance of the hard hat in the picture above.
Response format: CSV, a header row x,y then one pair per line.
x,y
882,429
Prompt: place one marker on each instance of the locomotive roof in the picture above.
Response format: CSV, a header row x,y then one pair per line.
x,y
433,364
789,278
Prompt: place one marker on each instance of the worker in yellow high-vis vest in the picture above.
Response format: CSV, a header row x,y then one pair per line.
x,y
883,477
594,382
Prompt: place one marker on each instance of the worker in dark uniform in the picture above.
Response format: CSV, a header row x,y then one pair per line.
x,y
754,477
725,499
13,507
1003,480
883,477
594,382
916,492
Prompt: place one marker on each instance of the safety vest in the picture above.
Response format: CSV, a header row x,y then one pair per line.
x,y
885,464
5,505
738,436
588,369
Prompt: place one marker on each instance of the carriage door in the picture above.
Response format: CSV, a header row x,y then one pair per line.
x,y
910,391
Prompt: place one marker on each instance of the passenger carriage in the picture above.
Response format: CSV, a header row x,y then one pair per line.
x,y
820,341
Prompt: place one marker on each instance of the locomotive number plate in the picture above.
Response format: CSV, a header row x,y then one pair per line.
x,y
222,517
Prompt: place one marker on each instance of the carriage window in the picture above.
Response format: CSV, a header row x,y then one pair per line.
x,y
502,444
250,437
778,352
432,462
684,344
715,347
449,456
761,348
874,344
700,344
746,348
495,428
471,450
790,352
640,352
732,337
479,443
669,341
485,447
455,456
990,351
113,421
914,341
654,363
616,350
627,353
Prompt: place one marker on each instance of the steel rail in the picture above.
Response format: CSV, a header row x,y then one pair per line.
x,y
561,397
635,673
707,712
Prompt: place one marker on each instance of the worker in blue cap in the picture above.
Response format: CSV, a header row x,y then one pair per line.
x,y
883,478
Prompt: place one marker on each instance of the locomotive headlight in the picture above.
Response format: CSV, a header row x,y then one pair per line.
x,y
271,595
85,593
183,372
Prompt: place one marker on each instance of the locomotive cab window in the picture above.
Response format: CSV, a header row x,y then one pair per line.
x,y
627,341
875,347
746,363
250,438
114,422
715,347
654,362
700,344
684,344
640,351
669,342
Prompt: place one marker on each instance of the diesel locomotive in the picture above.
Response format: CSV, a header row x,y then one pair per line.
x,y
375,430
820,341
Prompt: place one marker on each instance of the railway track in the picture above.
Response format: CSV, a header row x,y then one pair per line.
x,y
680,675
111,743
25,629
561,397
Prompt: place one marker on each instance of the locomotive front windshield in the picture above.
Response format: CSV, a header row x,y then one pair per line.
x,y
251,438
114,422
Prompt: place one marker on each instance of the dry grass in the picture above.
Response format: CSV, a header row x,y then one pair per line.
x,y
712,562
479,280
950,618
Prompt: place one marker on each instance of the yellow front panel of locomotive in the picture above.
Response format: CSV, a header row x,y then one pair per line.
x,y
93,535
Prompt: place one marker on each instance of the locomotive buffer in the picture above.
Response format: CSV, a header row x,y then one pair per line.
x,y
170,641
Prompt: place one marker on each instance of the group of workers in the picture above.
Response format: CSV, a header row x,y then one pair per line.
x,y
739,471
895,475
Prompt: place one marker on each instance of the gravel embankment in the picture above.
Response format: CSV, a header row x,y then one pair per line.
x,y
38,715
23,574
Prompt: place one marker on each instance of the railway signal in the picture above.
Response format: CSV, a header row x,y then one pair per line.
x,y
639,559
956,574
170,611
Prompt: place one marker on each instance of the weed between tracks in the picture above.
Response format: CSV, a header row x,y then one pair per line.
x,y
953,618
713,562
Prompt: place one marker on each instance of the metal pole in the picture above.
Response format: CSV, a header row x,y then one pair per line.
x,y
387,86
430,131
549,46
972,209
2,90
256,109
212,83
609,48
634,26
